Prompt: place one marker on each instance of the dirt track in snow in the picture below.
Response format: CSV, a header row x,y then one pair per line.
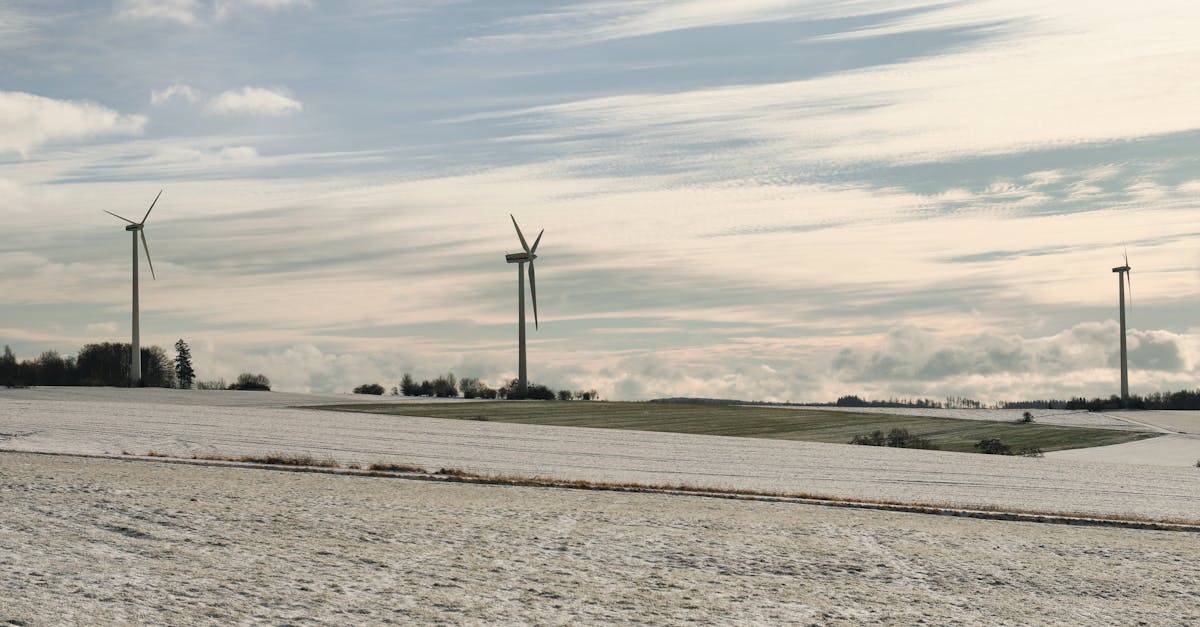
x,y
90,541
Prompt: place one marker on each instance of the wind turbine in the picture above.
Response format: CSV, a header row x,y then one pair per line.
x,y
521,259
137,229
1123,273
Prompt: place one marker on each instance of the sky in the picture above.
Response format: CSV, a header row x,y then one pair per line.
x,y
764,199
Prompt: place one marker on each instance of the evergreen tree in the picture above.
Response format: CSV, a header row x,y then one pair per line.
x,y
408,387
183,365
8,367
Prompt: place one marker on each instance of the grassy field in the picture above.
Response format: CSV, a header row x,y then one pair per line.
x,y
758,422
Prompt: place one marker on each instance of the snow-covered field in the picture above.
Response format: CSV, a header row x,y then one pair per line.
x,y
1130,420
254,427
92,541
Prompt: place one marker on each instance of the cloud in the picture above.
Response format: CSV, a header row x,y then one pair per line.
x,y
176,91
1009,90
591,22
254,101
28,121
181,11
224,7
101,328
1082,359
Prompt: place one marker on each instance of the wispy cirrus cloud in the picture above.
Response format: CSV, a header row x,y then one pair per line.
x,y
591,22
254,101
998,96
28,121
191,12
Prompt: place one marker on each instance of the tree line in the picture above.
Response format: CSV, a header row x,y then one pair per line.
x,y
103,364
107,364
449,386
1183,399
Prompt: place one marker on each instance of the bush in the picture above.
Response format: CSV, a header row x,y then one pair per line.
x,y
369,388
875,438
896,438
445,386
993,446
1027,417
1031,452
901,438
248,381
474,388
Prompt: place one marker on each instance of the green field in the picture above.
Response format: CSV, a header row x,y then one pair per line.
x,y
948,434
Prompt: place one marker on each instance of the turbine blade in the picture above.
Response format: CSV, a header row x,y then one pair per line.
x,y
535,242
519,234
146,247
117,216
533,294
151,207
1129,281
1125,254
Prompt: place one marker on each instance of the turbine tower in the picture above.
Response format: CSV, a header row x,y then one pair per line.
x,y
1123,278
521,259
137,229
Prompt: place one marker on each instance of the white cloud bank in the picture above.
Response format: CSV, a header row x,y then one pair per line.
x,y
254,101
28,121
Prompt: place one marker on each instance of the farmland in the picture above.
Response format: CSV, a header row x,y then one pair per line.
x,y
115,421
116,542
809,425
116,536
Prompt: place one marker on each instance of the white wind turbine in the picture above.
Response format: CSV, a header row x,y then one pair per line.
x,y
137,229
1123,273
521,259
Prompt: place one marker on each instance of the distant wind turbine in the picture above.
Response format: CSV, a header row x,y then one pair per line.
x,y
521,259
1123,273
137,229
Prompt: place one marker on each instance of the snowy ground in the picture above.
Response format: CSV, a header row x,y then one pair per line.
x,y
1125,420
209,398
90,541
594,454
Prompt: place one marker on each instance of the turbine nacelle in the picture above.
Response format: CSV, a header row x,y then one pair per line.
x,y
519,257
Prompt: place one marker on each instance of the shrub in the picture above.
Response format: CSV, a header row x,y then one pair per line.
x,y
993,446
445,386
248,381
875,438
369,388
474,388
218,384
1032,451
1027,417
901,438
896,438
